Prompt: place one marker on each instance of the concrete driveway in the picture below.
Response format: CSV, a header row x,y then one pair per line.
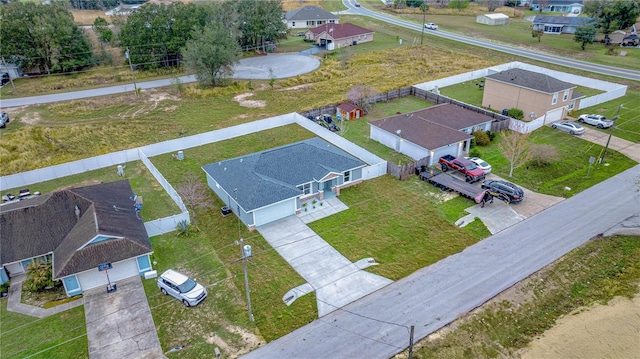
x,y
336,280
119,324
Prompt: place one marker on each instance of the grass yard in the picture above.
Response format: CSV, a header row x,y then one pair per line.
x,y
59,336
157,203
594,273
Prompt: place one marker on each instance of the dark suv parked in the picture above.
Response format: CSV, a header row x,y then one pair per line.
x,y
513,192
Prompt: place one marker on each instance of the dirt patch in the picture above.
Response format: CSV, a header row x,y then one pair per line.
x,y
80,184
297,88
241,99
151,100
595,332
250,340
31,118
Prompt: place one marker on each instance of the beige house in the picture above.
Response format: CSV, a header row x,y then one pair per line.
x,y
309,16
532,92
339,35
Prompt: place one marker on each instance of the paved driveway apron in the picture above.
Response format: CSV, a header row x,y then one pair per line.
x,y
336,280
119,324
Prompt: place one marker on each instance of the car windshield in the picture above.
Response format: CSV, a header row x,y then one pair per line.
x,y
187,286
483,163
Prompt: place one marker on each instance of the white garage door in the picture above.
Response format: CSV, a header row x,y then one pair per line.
x,y
274,212
120,270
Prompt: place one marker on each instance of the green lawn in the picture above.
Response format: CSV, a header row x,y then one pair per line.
x,y
157,203
59,336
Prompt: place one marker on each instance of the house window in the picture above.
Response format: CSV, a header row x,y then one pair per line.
x,y
365,36
293,23
332,21
347,176
572,104
305,188
554,100
565,97
309,23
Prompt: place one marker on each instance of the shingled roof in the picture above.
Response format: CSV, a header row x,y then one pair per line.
x,y
309,13
48,223
531,80
271,176
340,31
433,127
563,20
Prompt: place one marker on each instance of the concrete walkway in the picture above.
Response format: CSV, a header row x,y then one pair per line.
x,y
336,280
627,148
119,324
14,303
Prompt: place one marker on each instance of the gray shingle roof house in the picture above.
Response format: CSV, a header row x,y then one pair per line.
x,y
269,185
309,16
77,229
560,24
568,6
532,92
435,131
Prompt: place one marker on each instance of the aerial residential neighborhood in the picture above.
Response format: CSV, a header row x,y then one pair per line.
x,y
268,179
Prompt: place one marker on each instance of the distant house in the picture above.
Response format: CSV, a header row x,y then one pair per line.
x,y
76,230
532,92
433,132
565,6
493,19
269,185
560,24
339,35
309,16
349,111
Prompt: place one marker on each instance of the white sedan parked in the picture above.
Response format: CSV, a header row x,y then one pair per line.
x,y
483,165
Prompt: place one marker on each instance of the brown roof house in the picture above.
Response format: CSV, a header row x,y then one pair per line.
x,y
349,111
82,231
339,35
436,131
532,92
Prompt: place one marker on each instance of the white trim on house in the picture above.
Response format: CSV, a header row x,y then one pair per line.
x,y
94,238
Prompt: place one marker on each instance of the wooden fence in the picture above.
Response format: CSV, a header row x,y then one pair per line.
x,y
405,171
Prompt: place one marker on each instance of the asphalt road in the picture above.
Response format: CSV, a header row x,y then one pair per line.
x,y
261,68
377,326
535,55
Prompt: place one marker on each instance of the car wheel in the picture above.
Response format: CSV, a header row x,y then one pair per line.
x,y
554,126
600,126
469,178
580,120
444,167
164,291
572,132
186,304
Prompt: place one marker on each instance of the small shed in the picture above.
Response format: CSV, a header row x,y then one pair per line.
x,y
493,19
349,111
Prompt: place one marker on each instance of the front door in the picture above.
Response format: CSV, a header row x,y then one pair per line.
x,y
328,185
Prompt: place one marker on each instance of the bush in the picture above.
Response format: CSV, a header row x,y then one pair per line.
x,y
491,135
184,228
515,113
543,155
39,276
4,287
475,152
481,138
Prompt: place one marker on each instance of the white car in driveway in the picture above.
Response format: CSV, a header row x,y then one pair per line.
x,y
596,120
568,126
431,26
483,165
181,287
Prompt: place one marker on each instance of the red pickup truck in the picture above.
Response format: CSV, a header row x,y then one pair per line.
x,y
471,172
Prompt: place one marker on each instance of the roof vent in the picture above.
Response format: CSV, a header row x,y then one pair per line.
x,y
77,211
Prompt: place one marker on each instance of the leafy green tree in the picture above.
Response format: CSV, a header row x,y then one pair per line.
x,y
537,33
585,35
155,34
613,15
211,54
260,20
93,4
458,4
101,27
43,37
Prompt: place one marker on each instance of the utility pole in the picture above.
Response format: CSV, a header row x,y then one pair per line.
x,y
411,343
4,63
614,119
135,88
424,14
246,252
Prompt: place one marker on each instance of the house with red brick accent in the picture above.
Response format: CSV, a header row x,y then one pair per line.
x,y
335,36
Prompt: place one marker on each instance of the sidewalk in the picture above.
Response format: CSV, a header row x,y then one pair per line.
x,y
14,303
627,148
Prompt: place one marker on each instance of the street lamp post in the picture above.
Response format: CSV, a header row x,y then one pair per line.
x,y
614,119
135,88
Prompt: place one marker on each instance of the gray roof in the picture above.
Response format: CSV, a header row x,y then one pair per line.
x,y
309,13
557,2
531,80
48,223
563,20
271,176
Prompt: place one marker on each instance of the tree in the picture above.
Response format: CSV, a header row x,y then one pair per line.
x,y
43,38
458,4
260,21
515,147
101,27
613,15
492,5
362,96
585,35
537,33
211,54
194,195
